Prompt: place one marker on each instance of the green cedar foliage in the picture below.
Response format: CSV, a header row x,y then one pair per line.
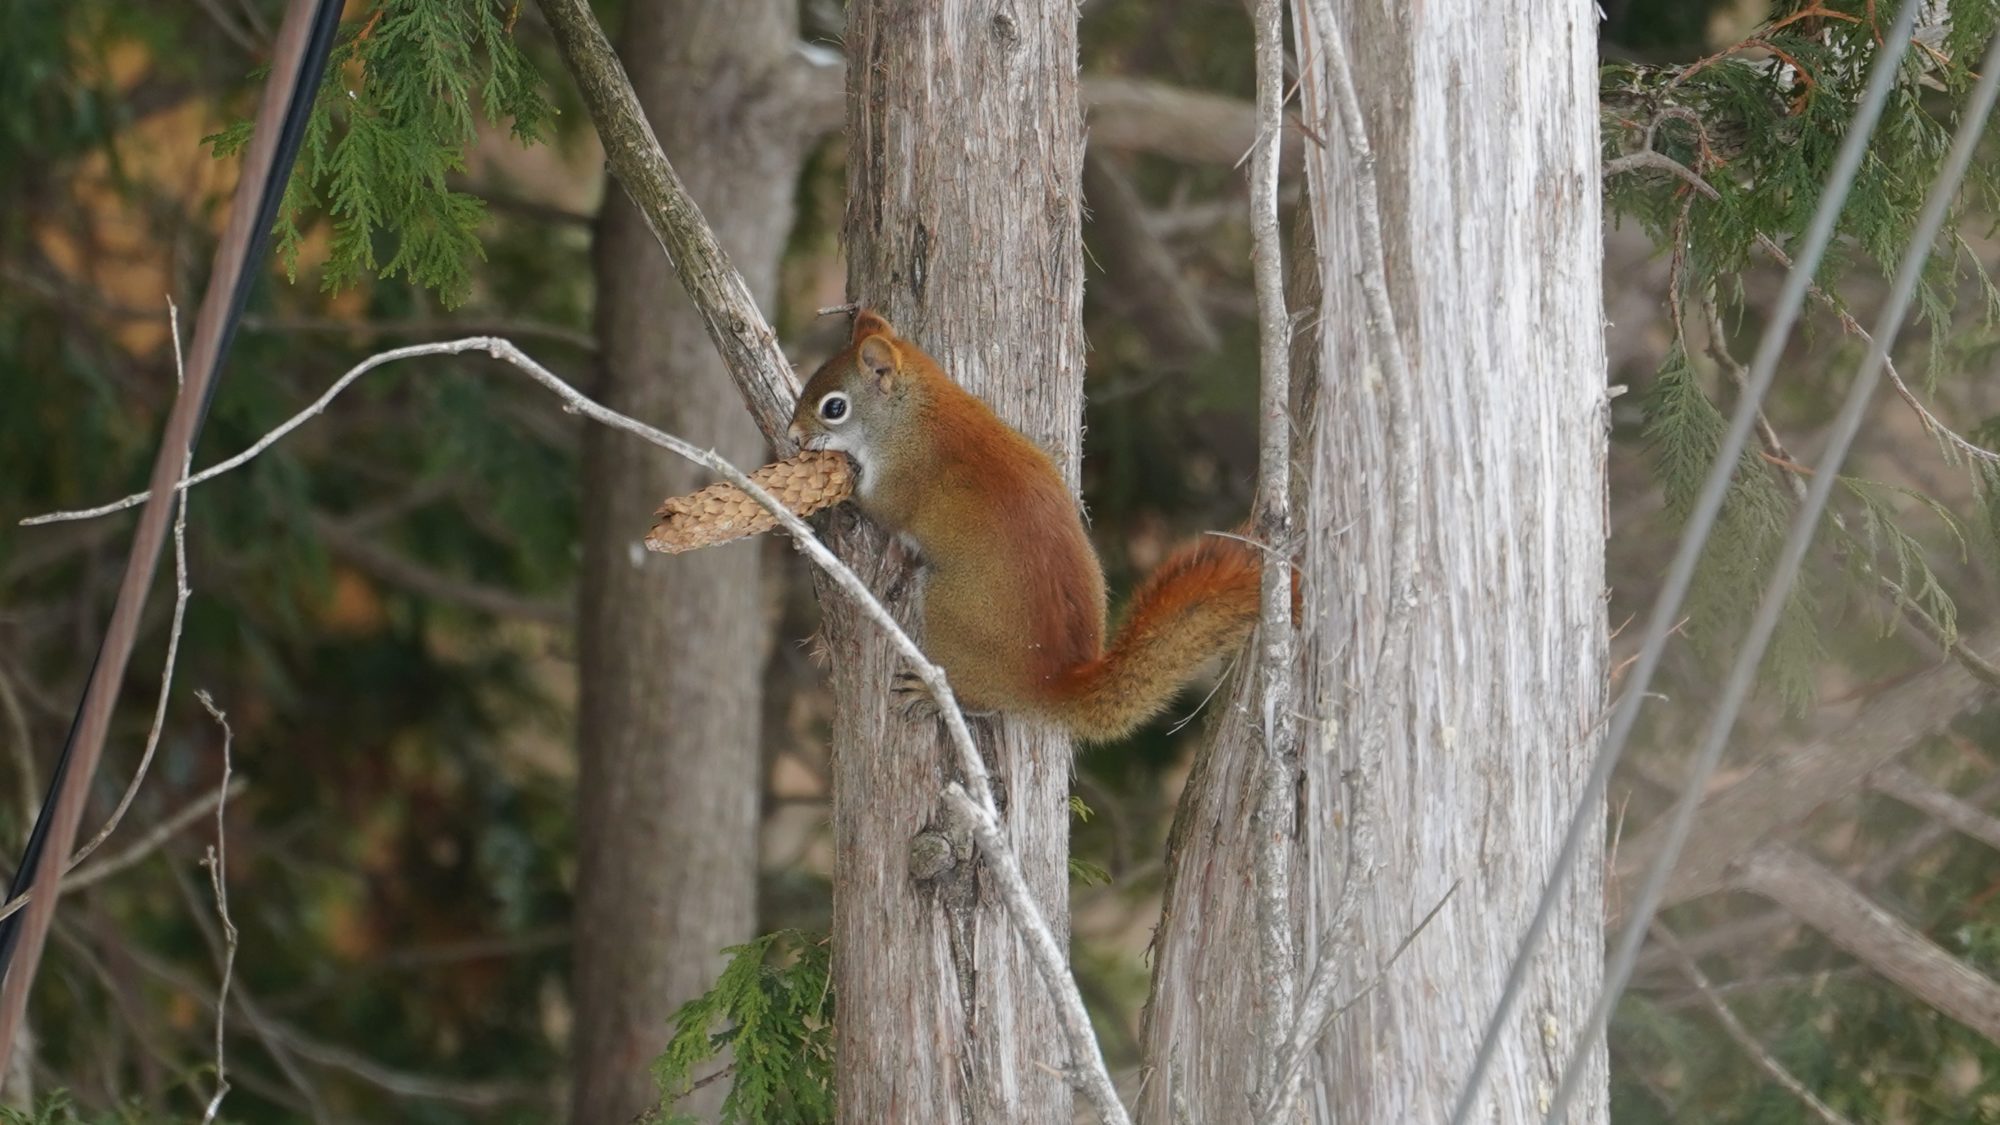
x,y
393,118
1760,124
58,1109
773,1005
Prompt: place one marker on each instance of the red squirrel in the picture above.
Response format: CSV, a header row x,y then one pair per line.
x,y
1014,605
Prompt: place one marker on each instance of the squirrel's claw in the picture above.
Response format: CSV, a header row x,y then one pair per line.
x,y
911,697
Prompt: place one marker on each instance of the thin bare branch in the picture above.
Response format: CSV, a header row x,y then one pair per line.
x,y
1317,1013
1757,1052
1852,921
81,875
745,340
1275,829
181,593
1331,102
1087,1068
1948,809
1787,787
217,862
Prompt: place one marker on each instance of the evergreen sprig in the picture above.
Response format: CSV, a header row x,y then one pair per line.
x,y
398,109
1760,124
775,1017
1684,430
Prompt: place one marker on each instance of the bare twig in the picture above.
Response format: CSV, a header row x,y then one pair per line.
x,y
1758,1054
1330,101
20,750
1274,820
1317,1012
1087,1067
1849,919
391,566
217,862
80,875
181,592
1948,809
319,405
1718,350
1853,328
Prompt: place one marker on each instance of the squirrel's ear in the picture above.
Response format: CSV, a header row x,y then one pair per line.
x,y
867,322
877,355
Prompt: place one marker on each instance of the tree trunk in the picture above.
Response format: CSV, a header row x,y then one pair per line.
x,y
964,160
672,650
1488,190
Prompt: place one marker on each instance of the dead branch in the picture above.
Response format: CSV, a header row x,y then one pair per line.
x,y
1150,290
748,346
1332,105
181,592
1852,921
86,875
1757,1052
1945,807
1087,1069
1275,827
1786,788
216,860
401,570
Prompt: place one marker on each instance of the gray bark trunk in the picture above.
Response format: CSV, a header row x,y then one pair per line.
x,y
964,160
672,650
1487,165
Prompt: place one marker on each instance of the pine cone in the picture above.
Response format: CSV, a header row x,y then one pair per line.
x,y
722,512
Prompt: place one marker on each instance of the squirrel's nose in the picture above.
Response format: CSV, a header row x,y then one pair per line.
x,y
797,435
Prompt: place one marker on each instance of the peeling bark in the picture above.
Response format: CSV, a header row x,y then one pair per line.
x,y
964,160
1487,166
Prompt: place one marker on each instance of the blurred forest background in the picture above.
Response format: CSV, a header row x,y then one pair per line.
x,y
386,602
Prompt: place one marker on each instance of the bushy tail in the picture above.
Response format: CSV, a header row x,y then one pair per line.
x,y
1201,602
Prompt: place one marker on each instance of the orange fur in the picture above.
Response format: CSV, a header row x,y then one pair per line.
x,y
1014,602
1201,602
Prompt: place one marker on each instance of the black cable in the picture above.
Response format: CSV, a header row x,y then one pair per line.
x,y
319,45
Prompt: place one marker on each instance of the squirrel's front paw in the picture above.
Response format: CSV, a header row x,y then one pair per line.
x,y
911,697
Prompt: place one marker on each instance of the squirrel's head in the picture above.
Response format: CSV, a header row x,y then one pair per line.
x,y
858,401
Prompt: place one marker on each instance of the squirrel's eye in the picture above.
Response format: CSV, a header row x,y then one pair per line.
x,y
833,407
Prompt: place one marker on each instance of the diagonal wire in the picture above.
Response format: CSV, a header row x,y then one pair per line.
x,y
1701,519
299,59
1743,675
